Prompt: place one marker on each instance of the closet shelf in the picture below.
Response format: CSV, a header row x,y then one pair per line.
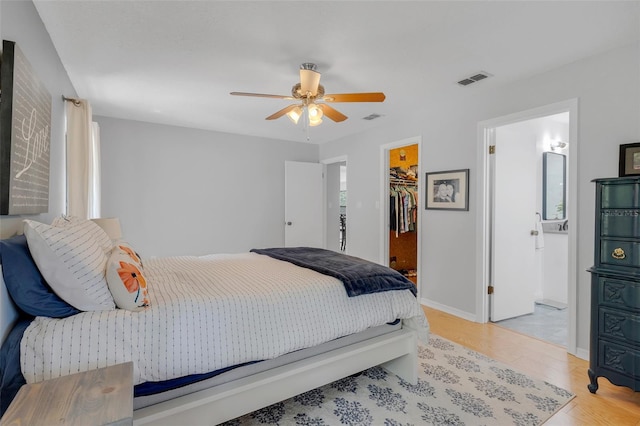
x,y
403,182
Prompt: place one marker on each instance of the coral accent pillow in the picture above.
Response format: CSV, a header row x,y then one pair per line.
x,y
127,249
72,260
126,281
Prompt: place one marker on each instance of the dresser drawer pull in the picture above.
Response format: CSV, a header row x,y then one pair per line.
x,y
618,253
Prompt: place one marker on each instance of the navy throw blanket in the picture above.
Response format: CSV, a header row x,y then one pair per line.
x,y
359,276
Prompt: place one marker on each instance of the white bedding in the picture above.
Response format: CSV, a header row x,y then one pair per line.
x,y
208,313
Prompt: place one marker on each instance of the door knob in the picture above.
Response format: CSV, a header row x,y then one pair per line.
x,y
534,232
289,223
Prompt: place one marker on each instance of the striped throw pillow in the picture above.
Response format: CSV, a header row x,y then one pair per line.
x,y
72,260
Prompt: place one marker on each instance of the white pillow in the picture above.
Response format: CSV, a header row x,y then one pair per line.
x,y
72,260
125,278
102,237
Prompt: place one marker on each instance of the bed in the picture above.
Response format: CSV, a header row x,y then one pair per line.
x,y
221,335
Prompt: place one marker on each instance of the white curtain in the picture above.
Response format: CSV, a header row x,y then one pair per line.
x,y
83,160
94,172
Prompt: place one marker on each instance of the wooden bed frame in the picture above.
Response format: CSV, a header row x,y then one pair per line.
x,y
396,351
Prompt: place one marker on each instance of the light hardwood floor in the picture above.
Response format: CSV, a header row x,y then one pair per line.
x,y
611,405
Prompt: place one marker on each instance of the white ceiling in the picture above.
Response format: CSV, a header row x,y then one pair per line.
x,y
175,62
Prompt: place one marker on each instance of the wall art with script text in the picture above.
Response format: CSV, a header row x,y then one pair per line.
x,y
25,135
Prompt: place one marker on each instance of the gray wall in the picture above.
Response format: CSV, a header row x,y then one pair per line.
x,y
20,22
180,191
607,87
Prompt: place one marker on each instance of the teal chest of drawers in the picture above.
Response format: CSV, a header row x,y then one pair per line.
x,y
615,284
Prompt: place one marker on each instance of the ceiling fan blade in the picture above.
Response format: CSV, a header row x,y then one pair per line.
x,y
282,112
355,97
261,95
309,81
332,113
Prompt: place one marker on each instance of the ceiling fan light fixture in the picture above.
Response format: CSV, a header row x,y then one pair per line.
x,y
315,110
315,121
295,114
315,114
306,93
309,81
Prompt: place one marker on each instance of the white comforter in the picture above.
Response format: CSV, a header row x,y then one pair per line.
x,y
208,313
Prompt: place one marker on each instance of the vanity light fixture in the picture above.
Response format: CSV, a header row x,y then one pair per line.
x,y
557,145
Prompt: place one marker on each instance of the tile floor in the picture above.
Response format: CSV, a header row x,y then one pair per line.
x,y
546,323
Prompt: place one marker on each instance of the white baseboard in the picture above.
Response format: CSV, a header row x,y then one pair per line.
x,y
448,309
582,354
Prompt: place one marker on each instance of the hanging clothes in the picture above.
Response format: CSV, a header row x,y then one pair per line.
x,y
403,204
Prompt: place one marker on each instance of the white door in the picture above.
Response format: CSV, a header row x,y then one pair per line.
x,y
514,273
303,206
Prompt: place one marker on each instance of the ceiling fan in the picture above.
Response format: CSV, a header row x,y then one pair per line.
x,y
312,100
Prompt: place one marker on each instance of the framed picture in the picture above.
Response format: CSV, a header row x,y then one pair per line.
x,y
25,135
629,160
447,190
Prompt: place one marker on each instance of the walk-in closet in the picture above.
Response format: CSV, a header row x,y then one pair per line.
x,y
403,211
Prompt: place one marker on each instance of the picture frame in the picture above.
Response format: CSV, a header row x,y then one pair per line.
x,y
629,164
447,190
25,135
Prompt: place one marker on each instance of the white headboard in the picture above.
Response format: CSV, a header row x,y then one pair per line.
x,y
8,311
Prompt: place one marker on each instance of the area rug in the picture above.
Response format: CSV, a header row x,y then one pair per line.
x,y
456,386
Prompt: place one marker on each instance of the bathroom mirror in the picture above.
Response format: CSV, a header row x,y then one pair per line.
x,y
554,178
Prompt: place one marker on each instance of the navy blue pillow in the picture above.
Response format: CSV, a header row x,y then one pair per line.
x,y
25,284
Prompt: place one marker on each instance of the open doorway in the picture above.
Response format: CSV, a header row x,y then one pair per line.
x,y
401,207
529,169
528,255
336,204
343,207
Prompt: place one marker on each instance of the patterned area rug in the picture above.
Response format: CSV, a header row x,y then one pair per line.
x,y
456,386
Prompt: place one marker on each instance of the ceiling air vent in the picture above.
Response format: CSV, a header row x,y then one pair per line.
x,y
371,117
474,78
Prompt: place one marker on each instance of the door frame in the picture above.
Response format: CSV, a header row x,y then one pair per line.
x,y
325,162
484,190
384,202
